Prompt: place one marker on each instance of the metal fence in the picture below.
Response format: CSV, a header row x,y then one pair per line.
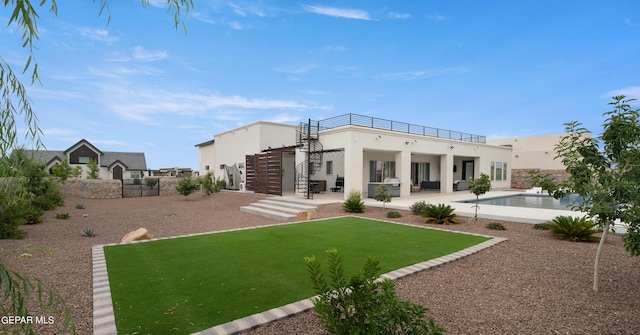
x,y
140,187
403,127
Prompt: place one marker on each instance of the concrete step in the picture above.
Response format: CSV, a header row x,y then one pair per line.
x,y
288,203
277,207
268,213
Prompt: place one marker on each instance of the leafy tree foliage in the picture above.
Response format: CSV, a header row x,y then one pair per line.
x,y
94,170
605,172
363,305
381,193
16,289
479,187
210,186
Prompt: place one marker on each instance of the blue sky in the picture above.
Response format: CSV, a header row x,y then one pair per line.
x,y
493,68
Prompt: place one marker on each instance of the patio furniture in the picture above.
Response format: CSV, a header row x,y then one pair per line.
x,y
430,185
339,184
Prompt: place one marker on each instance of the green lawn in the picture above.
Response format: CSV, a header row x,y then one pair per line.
x,y
185,285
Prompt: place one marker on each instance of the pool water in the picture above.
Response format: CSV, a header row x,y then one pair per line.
x,y
531,201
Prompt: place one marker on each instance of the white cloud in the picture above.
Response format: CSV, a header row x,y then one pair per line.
x,y
413,75
141,54
97,34
246,11
631,92
339,12
436,17
296,69
398,16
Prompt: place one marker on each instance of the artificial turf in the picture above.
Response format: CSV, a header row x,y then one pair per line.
x,y
188,284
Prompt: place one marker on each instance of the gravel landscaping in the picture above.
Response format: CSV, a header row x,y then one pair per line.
x,y
530,284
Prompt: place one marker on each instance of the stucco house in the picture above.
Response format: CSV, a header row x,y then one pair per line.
x,y
113,165
533,153
353,152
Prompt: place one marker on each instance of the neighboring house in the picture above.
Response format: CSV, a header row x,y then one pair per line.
x,y
113,165
352,152
533,153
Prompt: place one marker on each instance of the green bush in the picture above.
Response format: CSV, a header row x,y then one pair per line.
x,y
63,216
79,206
440,214
495,226
186,185
354,203
541,226
137,181
573,229
210,186
150,183
88,232
362,305
394,215
418,207
15,213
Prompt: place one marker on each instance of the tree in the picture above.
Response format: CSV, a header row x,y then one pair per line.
x,y
381,193
210,186
605,172
479,187
186,185
94,169
18,289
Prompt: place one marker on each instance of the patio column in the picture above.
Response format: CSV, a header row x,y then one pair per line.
x,y
446,173
403,171
353,167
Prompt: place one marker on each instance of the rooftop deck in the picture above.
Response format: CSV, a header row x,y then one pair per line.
x,y
402,127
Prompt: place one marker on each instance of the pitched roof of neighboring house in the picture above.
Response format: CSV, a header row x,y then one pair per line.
x,y
130,160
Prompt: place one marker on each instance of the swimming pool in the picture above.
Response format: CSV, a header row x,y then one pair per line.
x,y
530,201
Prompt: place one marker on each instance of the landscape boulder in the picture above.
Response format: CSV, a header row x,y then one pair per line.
x,y
137,235
309,214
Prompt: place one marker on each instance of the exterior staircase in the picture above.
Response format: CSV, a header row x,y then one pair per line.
x,y
307,141
277,208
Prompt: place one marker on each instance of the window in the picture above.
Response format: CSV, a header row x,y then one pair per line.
x,y
419,172
504,171
493,170
498,170
136,174
379,171
329,170
206,167
83,160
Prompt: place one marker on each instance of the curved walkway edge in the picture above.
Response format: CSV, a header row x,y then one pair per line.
x,y
104,322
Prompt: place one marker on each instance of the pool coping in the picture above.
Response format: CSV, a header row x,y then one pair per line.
x,y
104,322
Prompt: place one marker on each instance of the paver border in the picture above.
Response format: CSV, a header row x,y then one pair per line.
x,y
104,322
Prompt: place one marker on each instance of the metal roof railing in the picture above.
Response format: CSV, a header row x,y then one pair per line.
x,y
402,127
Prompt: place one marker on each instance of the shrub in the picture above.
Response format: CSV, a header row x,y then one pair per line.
x,y
13,214
573,229
418,207
186,185
496,226
79,206
362,305
440,214
394,215
63,216
88,232
137,181
151,183
209,186
541,226
354,203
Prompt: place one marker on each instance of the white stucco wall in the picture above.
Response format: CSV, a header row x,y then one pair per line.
x,y
232,146
533,152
